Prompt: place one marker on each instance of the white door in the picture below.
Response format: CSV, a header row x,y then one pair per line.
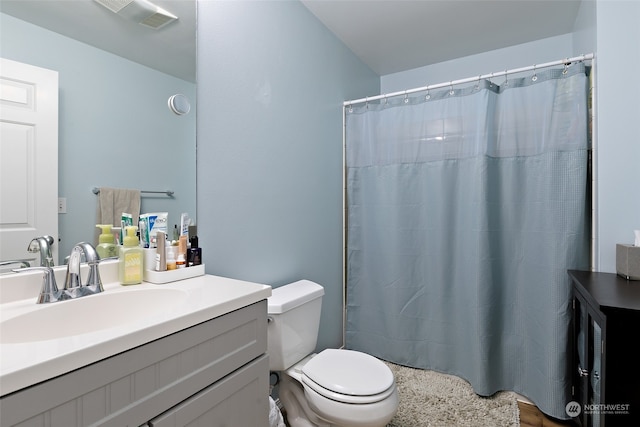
x,y
28,158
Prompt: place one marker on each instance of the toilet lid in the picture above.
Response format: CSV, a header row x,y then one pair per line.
x,y
349,372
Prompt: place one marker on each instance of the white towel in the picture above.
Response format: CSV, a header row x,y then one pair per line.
x,y
113,202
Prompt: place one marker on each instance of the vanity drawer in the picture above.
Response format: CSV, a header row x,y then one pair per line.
x,y
133,387
239,399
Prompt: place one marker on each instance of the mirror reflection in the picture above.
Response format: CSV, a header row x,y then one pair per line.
x,y
115,125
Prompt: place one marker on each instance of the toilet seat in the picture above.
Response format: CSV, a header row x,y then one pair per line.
x,y
348,376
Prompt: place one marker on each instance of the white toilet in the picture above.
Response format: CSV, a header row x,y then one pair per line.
x,y
341,388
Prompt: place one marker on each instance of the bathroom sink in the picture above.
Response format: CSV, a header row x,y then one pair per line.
x,y
41,341
88,314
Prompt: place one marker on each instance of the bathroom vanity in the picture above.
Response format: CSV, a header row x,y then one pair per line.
x,y
199,361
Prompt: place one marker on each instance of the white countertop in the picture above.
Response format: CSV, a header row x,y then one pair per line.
x,y
26,363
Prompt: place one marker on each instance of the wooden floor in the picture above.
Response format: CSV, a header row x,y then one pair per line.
x,y
530,416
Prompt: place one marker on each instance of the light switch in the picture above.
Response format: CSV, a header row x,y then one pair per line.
x,y
62,205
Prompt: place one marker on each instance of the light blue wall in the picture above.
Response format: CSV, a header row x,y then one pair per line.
x,y
271,82
115,128
537,52
617,115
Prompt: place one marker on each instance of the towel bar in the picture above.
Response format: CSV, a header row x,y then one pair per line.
x,y
169,193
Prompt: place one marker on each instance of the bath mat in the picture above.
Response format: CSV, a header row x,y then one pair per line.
x,y
432,399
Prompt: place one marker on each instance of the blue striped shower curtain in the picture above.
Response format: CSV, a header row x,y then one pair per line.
x,y
466,206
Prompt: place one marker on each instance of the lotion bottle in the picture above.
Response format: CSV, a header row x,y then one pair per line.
x,y
106,243
131,258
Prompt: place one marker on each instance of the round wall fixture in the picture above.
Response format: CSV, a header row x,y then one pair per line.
x,y
179,104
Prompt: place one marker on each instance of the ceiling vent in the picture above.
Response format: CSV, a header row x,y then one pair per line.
x,y
142,12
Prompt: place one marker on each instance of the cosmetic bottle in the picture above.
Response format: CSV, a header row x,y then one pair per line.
x,y
131,258
195,253
106,243
180,262
182,251
161,252
171,258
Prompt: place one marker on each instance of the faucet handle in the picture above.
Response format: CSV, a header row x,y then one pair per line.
x,y
22,262
93,279
73,283
49,290
72,280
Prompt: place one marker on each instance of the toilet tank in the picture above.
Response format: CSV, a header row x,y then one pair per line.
x,y
294,320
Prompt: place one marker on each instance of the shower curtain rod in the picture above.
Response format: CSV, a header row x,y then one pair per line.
x,y
471,79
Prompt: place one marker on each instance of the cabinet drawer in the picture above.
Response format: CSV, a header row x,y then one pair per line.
x,y
239,399
131,388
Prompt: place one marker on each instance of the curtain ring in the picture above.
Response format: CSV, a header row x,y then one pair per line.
x,y
428,95
406,97
566,67
535,75
451,91
350,108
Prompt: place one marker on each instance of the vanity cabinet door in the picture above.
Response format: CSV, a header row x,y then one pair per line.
x,y
589,357
239,399
580,371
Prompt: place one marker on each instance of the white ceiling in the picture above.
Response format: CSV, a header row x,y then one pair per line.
x,y
171,49
392,36
388,35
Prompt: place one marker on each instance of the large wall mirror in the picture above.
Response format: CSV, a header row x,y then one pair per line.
x,y
116,128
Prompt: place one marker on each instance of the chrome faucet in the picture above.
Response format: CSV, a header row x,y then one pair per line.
x,y
73,286
43,246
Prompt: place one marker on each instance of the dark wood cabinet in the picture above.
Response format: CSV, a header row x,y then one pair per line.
x,y
604,362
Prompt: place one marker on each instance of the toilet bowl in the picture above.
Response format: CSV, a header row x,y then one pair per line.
x,y
341,388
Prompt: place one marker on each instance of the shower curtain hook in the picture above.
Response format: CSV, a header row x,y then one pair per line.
x,y
428,95
491,80
366,102
566,66
478,83
406,97
506,77
451,91
535,75
350,109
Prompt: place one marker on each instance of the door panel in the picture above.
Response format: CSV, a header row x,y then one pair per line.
x,y
28,158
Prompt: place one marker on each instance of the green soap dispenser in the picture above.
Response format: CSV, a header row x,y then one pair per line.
x,y
106,243
131,258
